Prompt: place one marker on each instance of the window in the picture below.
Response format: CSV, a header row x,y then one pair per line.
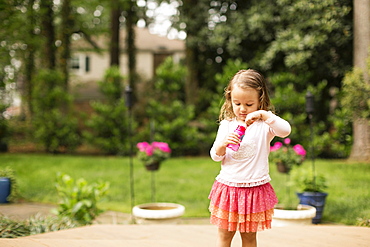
x,y
87,64
75,63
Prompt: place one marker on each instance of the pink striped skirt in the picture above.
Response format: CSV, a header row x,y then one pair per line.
x,y
244,209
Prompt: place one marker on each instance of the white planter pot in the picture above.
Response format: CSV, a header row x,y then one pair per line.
x,y
158,213
302,216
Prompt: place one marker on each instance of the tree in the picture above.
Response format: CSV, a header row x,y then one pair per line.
x,y
130,15
114,48
361,125
48,32
67,29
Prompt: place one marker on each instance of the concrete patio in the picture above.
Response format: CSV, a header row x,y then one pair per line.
x,y
112,229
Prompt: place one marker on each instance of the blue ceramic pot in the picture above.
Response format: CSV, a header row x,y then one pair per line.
x,y
4,189
315,199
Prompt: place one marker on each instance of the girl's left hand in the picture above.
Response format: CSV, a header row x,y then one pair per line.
x,y
253,117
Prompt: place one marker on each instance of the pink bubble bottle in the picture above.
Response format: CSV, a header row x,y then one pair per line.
x,y
240,130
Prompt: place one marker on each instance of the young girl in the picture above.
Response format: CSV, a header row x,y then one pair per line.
x,y
242,198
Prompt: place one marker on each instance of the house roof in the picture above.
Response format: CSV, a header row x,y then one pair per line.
x,y
144,40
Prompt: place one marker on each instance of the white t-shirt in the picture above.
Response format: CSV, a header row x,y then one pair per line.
x,y
248,166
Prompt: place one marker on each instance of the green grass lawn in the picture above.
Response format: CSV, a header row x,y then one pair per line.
x,y
185,180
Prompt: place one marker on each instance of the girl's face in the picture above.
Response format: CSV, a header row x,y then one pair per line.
x,y
244,101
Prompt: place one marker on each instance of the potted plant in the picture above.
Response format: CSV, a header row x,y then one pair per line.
x,y
286,156
311,189
151,155
8,185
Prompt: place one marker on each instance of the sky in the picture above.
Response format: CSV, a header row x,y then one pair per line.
x,y
161,15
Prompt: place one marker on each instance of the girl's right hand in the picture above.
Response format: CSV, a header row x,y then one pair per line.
x,y
231,138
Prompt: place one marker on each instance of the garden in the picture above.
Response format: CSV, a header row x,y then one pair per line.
x,y
85,156
190,180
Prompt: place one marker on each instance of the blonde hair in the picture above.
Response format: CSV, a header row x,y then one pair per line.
x,y
245,79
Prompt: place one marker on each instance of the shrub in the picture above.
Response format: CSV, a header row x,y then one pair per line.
x,y
35,225
78,200
108,126
55,126
356,93
40,224
12,229
9,173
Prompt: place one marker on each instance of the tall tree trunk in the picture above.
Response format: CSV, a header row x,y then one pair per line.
x,y
48,32
66,32
29,63
191,82
130,42
115,33
195,20
361,127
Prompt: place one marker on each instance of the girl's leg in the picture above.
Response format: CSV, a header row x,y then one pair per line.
x,y
249,239
224,238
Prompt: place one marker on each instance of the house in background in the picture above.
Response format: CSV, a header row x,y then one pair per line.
x,y
88,66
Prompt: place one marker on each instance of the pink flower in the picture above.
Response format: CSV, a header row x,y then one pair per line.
x,y
142,146
276,146
162,146
287,141
149,150
298,149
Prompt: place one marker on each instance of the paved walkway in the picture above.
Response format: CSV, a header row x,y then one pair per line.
x,y
188,233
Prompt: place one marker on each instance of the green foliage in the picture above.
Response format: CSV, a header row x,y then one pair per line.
x,y
363,222
173,124
108,126
8,172
41,224
172,120
12,229
78,200
55,126
305,181
170,80
35,225
289,101
356,93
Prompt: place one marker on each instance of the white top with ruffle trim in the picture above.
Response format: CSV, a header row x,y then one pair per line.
x,y
248,167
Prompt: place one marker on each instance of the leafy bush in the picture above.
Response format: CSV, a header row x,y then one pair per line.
x,y
173,124
40,224
331,138
167,116
14,191
35,225
356,93
79,199
12,229
304,180
55,126
108,126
